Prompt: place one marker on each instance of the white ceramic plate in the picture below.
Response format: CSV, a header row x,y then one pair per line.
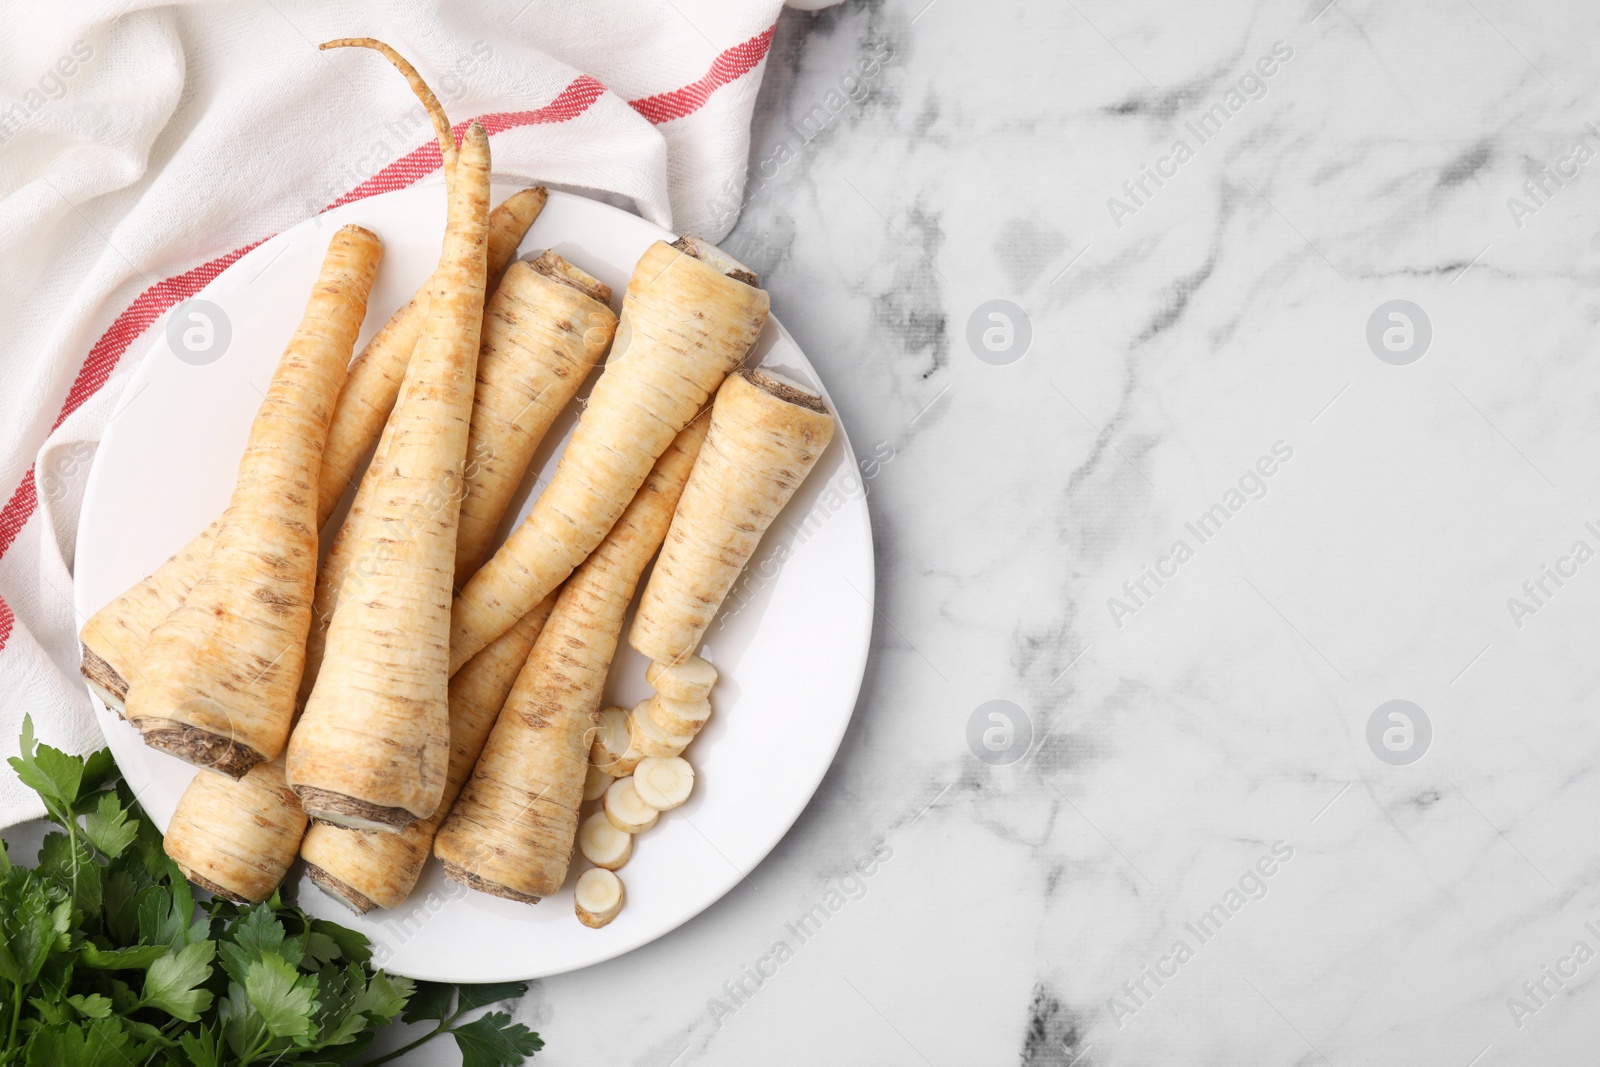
x,y
791,655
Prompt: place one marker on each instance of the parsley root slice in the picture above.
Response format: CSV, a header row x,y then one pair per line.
x,y
649,739
365,870
219,675
766,435
598,897
114,637
236,838
511,830
626,811
685,324
663,784
602,844
613,753
372,746
690,680
679,716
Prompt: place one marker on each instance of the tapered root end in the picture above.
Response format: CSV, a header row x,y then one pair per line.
x,y
204,749
212,887
713,256
325,805
785,390
103,678
457,873
441,124
557,269
342,891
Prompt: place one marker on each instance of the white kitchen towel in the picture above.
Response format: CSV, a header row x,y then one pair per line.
x,y
145,146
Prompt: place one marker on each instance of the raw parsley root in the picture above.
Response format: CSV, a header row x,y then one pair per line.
x,y
105,958
372,747
236,838
766,435
218,677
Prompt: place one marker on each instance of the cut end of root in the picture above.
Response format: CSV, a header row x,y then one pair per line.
x,y
204,749
103,678
457,873
351,232
554,267
713,256
341,891
325,805
212,887
788,391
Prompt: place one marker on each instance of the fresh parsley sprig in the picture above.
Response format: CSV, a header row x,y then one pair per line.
x,y
106,960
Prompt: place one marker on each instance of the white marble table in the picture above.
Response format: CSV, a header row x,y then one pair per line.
x,y
1175,740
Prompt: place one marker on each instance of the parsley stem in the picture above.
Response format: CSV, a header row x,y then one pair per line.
x,y
402,1050
259,1050
445,1027
16,1017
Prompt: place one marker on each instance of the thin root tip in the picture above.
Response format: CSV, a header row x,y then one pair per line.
x,y
347,42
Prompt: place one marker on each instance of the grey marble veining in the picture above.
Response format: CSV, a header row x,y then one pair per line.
x,y
1189,843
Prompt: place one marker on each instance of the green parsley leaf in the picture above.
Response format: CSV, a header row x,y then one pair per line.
x,y
353,945
123,1000
201,1048
30,924
51,773
108,828
242,1025
320,948
495,1041
258,931
120,905
431,1000
173,982
91,1005
338,1021
476,996
165,916
50,1011
67,863
383,997
98,767
285,999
